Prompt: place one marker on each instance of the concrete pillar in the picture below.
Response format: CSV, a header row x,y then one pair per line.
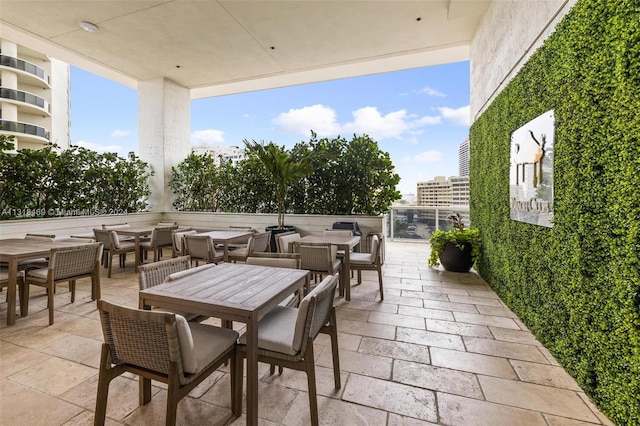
x,y
164,120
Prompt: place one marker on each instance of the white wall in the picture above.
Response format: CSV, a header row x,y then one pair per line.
x,y
509,33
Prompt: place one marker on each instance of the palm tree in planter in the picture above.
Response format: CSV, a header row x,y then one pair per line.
x,y
283,170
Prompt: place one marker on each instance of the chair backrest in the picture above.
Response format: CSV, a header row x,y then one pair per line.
x,y
375,249
41,237
314,311
115,226
278,260
284,240
260,242
155,273
199,247
69,262
103,236
161,236
177,239
318,257
80,239
114,240
147,339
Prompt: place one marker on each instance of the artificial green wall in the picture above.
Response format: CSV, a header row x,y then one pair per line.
x,y
575,285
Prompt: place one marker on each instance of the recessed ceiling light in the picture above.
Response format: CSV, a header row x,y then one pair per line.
x,y
89,27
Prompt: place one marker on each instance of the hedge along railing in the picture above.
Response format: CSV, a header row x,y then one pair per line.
x,y
576,285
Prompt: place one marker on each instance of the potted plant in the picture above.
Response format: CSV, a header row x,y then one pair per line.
x,y
283,171
456,249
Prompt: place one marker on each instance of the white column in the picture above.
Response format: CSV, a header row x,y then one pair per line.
x,y
164,117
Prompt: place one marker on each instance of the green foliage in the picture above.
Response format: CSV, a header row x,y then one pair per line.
x,y
457,235
74,182
194,182
576,285
319,176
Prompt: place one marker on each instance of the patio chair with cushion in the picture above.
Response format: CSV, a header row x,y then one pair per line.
x,y
66,264
120,248
167,224
177,240
369,262
164,347
4,282
201,248
318,258
286,335
258,243
161,237
284,240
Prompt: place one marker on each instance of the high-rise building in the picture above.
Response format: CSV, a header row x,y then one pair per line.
x,y
221,153
442,193
34,97
463,158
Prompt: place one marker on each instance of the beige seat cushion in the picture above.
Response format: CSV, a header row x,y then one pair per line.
x,y
276,331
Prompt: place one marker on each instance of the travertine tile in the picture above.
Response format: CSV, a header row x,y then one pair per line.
x,y
545,399
398,420
54,376
450,306
542,374
436,378
427,295
367,329
345,341
473,363
394,349
294,379
387,306
398,320
14,358
393,397
486,320
359,363
504,349
425,313
333,412
515,336
430,338
461,329
459,411
73,347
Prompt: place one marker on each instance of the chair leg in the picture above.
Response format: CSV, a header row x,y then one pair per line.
x,y
233,360
173,398
72,289
24,306
311,383
103,388
237,395
380,283
110,265
145,390
333,333
50,304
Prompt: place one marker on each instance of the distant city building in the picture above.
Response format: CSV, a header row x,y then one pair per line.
x,y
442,192
34,97
221,153
463,158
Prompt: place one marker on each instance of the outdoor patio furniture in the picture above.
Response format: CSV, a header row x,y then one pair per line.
x,y
284,239
44,237
4,282
258,242
201,248
177,240
369,261
164,347
279,260
66,264
161,237
318,258
286,335
119,247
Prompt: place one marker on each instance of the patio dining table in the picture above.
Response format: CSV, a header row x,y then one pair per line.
x,y
137,232
230,291
13,250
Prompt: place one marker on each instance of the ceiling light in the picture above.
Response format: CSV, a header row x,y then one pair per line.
x,y
89,27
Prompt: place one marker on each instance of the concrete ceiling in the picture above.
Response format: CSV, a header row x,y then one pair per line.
x,y
231,46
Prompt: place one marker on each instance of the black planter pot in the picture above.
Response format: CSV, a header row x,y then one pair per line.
x,y
275,231
455,260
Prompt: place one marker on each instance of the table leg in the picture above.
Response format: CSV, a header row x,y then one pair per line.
x,y
347,275
137,259
225,248
11,292
252,371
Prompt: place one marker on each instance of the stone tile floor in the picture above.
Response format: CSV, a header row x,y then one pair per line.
x,y
441,349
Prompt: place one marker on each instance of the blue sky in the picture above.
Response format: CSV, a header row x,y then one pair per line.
x,y
419,116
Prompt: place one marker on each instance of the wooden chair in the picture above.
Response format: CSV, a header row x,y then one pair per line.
x,y
318,258
201,248
286,335
369,262
120,248
258,243
284,240
177,240
66,264
164,347
161,237
4,282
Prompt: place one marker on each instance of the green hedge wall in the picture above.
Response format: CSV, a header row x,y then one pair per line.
x,y
576,285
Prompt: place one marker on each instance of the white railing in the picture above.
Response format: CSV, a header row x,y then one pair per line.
x,y
418,222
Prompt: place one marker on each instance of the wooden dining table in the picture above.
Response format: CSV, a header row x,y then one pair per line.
x,y
225,238
342,242
235,292
12,251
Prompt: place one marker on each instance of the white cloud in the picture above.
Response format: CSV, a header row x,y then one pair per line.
x,y
427,120
120,133
319,118
207,137
426,157
101,148
431,92
369,120
461,116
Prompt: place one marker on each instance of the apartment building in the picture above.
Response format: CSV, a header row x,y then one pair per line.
x,y
463,158
221,153
443,192
34,97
